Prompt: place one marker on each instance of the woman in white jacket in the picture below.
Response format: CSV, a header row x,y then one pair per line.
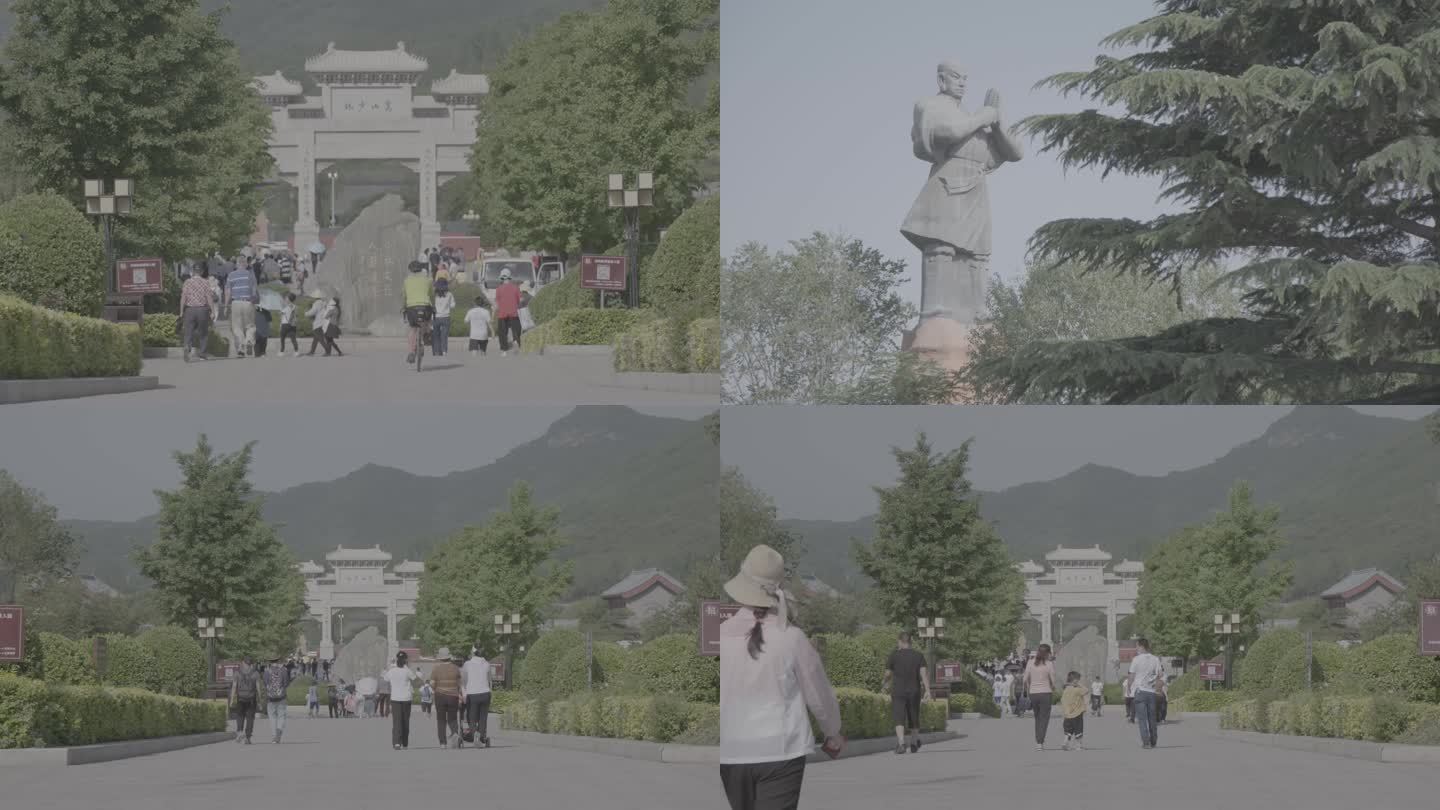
x,y
769,675
323,314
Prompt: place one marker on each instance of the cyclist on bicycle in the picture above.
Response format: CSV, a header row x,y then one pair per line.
x,y
419,306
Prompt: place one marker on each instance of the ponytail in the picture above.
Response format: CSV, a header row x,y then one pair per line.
x,y
756,638
1042,654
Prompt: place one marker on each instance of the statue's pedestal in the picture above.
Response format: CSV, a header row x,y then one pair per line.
x,y
944,342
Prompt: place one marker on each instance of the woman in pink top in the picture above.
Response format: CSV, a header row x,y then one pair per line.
x,y
1039,685
769,675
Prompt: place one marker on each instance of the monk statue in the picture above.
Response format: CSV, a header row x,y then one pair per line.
x,y
950,220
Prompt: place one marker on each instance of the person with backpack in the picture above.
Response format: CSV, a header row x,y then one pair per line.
x,y
277,681
244,690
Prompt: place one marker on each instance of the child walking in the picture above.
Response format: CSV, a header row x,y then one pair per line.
x,y
287,325
1072,706
479,320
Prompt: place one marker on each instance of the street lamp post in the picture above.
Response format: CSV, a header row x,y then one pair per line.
x,y
1228,627
340,617
211,629
930,629
334,175
632,200
105,206
505,627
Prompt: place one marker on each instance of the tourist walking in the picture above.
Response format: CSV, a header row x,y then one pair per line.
x,y
382,700
1128,686
444,305
262,338
446,677
1146,674
427,697
325,315
287,325
241,295
769,675
1072,709
277,682
312,700
475,681
1001,691
1039,684
196,313
399,681
1097,696
246,691
332,700
507,313
1162,699
478,319
908,679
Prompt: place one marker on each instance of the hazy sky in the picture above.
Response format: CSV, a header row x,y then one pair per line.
x,y
820,463
95,463
817,100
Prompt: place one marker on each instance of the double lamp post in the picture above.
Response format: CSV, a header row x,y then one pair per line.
x,y
505,627
631,201
211,629
1227,627
106,204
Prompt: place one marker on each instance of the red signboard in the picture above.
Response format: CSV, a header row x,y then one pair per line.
x,y
602,273
1212,670
12,633
1429,627
139,276
226,671
1127,652
949,672
712,614
497,671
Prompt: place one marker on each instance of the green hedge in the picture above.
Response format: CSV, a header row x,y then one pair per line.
x,y
56,659
128,663
1199,700
567,677
1328,663
1392,664
676,344
552,299
850,663
177,661
162,331
34,714
1181,686
583,327
502,699
672,665
50,255
38,343
1256,671
964,703
1377,719
540,659
298,690
865,714
684,272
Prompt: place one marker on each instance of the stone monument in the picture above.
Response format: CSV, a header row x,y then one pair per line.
x,y
366,655
367,267
950,220
1085,654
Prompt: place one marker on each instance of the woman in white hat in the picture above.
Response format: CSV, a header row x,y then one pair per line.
x,y
769,675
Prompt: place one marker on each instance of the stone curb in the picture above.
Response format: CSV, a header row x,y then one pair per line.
x,y
560,350
1350,749
107,752
690,754
17,391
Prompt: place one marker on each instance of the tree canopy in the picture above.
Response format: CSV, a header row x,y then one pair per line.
x,y
586,96
35,548
148,90
933,556
1301,139
1222,566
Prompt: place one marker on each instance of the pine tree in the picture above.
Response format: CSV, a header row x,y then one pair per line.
x,y
215,556
934,556
1303,140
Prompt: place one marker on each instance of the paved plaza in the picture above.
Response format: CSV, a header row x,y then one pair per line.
x,y
348,763
374,371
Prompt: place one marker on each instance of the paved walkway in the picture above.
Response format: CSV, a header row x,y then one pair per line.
x,y
374,371
349,764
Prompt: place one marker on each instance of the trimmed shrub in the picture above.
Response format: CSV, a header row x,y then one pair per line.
x,y
562,295
50,255
1392,664
177,660
1181,686
684,271
880,641
38,343
658,719
502,699
59,660
128,663
582,327
464,302
703,343
650,346
1328,663
867,714
541,658
1378,719
162,331
298,690
672,665
1257,669
849,663
567,675
1199,700
1115,695
963,704
36,714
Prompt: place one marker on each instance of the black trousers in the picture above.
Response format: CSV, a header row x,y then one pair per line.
x,y
288,332
447,713
400,723
764,785
477,714
1040,702
509,329
245,716
334,708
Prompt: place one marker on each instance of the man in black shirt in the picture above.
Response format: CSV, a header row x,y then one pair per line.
x,y
909,679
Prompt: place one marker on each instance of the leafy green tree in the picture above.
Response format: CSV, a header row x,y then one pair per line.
x,y
589,95
934,556
1299,140
148,90
1222,566
1422,581
1062,303
810,324
602,621
34,547
275,629
683,274
502,567
213,555
50,256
